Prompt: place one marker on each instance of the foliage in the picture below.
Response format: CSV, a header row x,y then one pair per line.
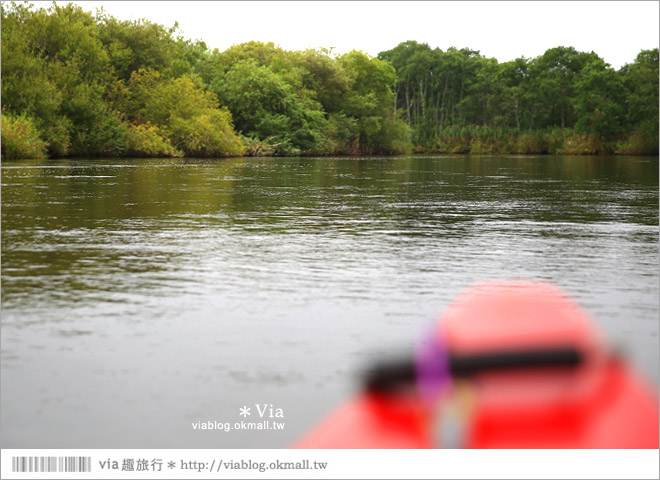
x,y
370,101
253,147
641,83
145,140
188,116
599,100
20,138
637,143
438,91
266,106
90,84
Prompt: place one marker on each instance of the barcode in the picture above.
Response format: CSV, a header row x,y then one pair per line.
x,y
51,464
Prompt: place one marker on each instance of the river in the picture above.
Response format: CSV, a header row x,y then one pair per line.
x,y
140,296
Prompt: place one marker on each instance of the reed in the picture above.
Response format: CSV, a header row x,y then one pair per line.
x,y
483,140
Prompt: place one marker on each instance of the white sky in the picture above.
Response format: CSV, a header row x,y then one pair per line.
x,y
615,30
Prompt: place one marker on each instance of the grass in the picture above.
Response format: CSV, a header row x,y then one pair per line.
x,y
475,139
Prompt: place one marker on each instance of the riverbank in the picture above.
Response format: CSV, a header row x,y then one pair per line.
x,y
556,141
96,86
20,140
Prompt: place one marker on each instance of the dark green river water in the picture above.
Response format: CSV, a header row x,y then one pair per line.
x,y
141,296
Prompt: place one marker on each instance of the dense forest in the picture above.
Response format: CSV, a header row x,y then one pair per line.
x,y
76,83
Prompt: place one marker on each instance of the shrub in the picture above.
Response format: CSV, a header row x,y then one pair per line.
x,y
185,114
253,147
208,134
567,142
531,142
20,138
637,143
146,141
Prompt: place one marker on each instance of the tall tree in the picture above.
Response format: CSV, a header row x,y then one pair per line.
x,y
599,100
641,83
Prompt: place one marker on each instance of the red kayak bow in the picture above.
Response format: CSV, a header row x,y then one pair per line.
x,y
537,369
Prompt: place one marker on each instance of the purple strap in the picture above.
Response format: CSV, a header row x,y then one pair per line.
x,y
432,368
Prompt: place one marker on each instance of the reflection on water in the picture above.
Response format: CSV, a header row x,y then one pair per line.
x,y
139,296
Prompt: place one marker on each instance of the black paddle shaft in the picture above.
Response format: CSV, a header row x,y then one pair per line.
x,y
394,374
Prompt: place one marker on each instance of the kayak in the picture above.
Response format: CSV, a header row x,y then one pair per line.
x,y
509,365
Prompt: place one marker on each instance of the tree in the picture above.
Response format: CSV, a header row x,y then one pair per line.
x,y
512,78
554,75
482,93
641,84
141,44
323,78
187,116
266,106
89,84
599,100
370,101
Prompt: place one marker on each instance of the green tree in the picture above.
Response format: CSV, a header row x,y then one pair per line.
x,y
54,69
188,116
641,83
90,84
141,44
554,77
370,101
599,100
266,106
513,77
322,78
483,91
